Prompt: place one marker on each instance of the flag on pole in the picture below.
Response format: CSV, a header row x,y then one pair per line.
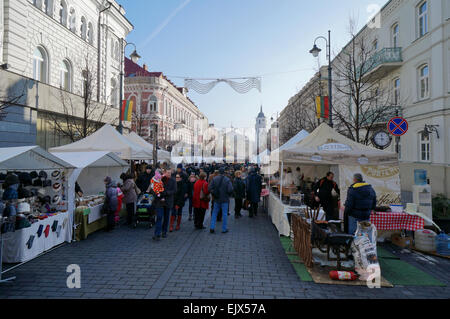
x,y
322,107
127,110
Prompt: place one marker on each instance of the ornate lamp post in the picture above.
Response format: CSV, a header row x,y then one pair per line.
x,y
315,52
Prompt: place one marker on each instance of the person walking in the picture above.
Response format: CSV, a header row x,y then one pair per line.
x,y
253,190
179,201
239,194
200,200
361,201
222,189
130,192
323,191
110,204
192,180
156,188
170,187
143,180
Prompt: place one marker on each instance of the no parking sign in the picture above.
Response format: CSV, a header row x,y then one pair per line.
x,y
397,126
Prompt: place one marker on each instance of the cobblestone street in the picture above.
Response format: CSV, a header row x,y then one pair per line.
x,y
248,262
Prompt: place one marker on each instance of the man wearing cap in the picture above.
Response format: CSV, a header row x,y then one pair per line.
x,y
222,190
361,201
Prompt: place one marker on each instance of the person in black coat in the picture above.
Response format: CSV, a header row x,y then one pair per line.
x,y
323,195
361,201
253,189
239,194
143,180
170,189
179,200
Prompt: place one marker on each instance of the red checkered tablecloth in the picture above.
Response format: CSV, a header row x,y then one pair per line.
x,y
396,221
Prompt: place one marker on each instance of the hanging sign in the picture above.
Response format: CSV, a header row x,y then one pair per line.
x,y
398,126
334,147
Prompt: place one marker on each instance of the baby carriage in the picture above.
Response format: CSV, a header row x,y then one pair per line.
x,y
144,211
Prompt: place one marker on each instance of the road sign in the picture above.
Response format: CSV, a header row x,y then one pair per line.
x,y
397,126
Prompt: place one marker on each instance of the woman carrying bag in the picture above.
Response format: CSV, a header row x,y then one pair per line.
x,y
200,201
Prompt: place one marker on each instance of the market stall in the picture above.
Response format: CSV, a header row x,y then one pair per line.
x,y
36,215
91,169
163,156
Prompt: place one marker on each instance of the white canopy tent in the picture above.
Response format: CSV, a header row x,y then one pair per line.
x,y
264,158
109,140
27,159
163,156
292,142
345,157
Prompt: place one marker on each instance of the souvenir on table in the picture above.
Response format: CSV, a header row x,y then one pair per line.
x,y
56,174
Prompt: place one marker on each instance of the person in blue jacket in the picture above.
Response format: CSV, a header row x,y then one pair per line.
x,y
361,201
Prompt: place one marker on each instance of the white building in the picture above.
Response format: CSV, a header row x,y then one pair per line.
x,y
46,44
411,39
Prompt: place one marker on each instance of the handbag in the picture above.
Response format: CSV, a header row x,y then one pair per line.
x,y
137,190
203,197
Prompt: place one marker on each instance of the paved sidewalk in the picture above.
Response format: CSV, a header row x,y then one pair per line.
x,y
248,262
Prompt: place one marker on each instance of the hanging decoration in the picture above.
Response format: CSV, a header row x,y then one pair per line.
x,y
127,110
239,87
322,107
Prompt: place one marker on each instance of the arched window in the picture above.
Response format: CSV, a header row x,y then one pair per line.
x,y
114,95
73,20
83,28
63,13
66,75
424,82
48,7
90,33
40,65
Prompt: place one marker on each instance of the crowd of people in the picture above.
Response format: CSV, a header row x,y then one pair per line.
x,y
199,187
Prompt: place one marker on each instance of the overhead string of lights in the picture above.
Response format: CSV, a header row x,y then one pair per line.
x,y
239,87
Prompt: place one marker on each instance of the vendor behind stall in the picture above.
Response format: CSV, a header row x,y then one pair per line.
x,y
78,190
324,195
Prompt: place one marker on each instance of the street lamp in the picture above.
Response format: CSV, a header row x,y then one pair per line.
x,y
135,58
315,52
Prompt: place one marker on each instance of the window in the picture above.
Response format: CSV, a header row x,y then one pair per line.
x,y
73,20
66,76
423,18
375,45
396,92
424,85
424,147
48,7
40,65
63,13
90,33
114,94
395,35
83,28
153,104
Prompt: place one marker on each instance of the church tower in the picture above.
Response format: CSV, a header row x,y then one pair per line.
x,y
261,133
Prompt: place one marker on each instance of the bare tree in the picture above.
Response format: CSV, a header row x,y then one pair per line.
x,y
15,95
364,99
79,120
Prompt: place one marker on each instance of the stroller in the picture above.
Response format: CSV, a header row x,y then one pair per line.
x,y
144,211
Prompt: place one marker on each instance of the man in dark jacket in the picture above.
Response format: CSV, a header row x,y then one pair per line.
x,y
143,180
361,201
221,189
254,187
239,194
323,190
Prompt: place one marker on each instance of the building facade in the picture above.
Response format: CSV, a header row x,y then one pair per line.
x,y
260,133
409,41
51,47
158,101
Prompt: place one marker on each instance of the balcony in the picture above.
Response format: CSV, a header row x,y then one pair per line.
x,y
381,63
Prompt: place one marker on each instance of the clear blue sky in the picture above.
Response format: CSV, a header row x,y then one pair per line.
x,y
234,38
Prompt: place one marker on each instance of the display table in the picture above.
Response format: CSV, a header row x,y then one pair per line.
x,y
278,212
84,226
15,249
396,221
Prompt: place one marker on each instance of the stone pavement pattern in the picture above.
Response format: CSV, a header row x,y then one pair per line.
x,y
249,262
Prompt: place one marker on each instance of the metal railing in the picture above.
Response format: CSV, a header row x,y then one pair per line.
x,y
386,55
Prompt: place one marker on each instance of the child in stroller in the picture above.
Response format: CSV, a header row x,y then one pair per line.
x,y
144,210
